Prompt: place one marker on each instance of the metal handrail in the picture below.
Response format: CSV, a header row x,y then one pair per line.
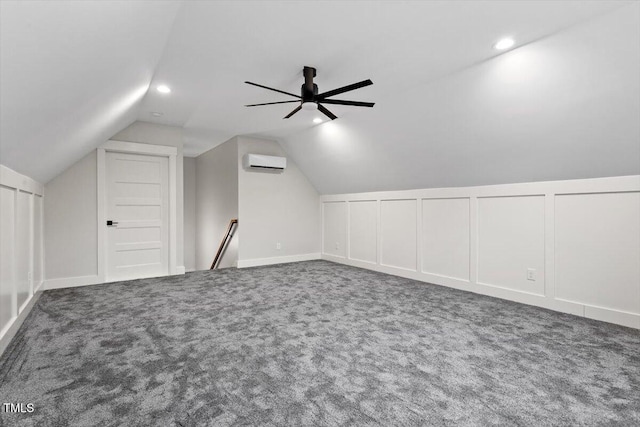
x,y
225,240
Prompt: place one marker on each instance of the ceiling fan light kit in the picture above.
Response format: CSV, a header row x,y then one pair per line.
x,y
309,98
309,106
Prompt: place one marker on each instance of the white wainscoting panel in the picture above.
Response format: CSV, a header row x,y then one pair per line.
x,y
589,233
334,229
38,236
445,237
511,241
398,232
7,264
21,249
581,238
23,252
363,230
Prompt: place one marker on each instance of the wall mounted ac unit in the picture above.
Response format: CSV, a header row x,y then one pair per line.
x,y
261,161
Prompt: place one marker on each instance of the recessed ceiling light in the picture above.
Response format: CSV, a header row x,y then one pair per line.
x,y
317,120
164,89
156,114
503,44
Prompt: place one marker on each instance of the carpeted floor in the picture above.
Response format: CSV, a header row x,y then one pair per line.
x,y
312,343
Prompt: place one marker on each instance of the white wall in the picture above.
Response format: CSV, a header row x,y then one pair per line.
x,y
71,211
216,204
21,249
580,240
189,164
275,208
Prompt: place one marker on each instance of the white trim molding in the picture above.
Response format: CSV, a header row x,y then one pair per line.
x,y
277,260
138,148
527,228
146,149
13,179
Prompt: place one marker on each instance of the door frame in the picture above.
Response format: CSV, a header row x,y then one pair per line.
x,y
144,149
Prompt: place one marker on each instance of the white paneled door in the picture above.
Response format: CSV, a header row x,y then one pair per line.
x,y
137,212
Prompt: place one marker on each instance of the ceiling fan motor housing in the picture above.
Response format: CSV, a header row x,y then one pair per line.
x,y
309,89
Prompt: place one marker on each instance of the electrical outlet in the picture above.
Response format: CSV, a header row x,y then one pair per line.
x,y
337,246
278,246
531,274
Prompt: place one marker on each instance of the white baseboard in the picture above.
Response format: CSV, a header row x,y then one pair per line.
x,y
71,282
631,320
9,331
277,260
38,287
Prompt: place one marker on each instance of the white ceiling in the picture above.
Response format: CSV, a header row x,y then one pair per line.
x,y
75,73
72,74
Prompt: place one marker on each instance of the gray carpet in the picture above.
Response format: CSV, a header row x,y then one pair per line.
x,y
312,343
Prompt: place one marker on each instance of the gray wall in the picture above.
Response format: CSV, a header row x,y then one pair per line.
x,y
275,207
216,203
190,213
70,221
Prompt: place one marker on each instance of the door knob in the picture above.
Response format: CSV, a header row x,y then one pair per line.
x,y
111,223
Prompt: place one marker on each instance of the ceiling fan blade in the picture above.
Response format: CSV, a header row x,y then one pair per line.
x,y
344,89
270,88
293,112
271,103
343,102
326,112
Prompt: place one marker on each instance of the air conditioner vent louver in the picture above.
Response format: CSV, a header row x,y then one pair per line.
x,y
261,161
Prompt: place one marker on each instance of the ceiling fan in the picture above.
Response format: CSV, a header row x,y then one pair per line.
x,y
310,99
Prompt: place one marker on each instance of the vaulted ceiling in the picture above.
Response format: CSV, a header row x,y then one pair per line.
x,y
449,110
